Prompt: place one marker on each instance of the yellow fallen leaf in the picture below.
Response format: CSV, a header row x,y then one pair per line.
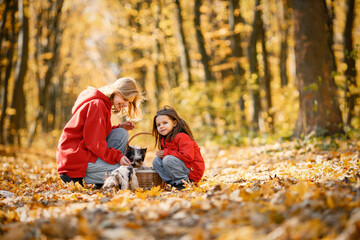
x,y
140,194
154,191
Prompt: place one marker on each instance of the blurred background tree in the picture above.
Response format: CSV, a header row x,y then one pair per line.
x,y
236,70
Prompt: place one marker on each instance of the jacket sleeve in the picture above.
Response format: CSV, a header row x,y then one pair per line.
x,y
95,134
186,148
116,126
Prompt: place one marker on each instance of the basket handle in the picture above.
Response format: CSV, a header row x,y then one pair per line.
x,y
140,133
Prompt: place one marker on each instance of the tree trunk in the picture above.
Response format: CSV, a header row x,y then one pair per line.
x,y
350,72
267,77
254,70
52,46
331,16
201,42
237,53
3,29
319,110
18,121
9,36
138,53
156,60
183,49
284,50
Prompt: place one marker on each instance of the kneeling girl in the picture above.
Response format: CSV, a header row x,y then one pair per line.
x,y
179,158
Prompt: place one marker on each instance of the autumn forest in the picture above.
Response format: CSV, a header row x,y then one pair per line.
x,y
270,89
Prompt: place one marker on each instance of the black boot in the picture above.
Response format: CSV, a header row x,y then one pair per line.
x,y
67,179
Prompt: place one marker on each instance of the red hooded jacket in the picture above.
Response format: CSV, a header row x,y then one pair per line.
x,y
186,149
83,139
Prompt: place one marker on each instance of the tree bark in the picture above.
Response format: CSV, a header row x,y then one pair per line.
x,y
183,49
156,60
267,76
254,70
10,9
201,42
52,46
18,121
331,16
239,71
284,49
3,22
319,110
350,72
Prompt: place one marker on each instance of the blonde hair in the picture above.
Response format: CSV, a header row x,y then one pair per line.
x,y
126,88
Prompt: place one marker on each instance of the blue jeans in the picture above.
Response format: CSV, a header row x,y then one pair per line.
x,y
95,172
171,170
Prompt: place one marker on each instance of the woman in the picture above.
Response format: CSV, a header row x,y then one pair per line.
x,y
89,145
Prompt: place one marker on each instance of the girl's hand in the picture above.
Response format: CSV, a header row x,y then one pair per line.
x,y
128,125
160,153
125,161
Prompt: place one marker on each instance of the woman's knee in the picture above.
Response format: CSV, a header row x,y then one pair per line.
x,y
117,138
119,133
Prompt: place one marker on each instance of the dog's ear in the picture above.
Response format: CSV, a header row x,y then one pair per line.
x,y
127,149
107,174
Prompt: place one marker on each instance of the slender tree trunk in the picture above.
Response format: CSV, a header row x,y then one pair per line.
x,y
156,60
168,69
201,42
319,110
139,54
18,121
183,49
331,16
53,44
284,49
237,53
267,76
350,57
3,22
9,36
254,70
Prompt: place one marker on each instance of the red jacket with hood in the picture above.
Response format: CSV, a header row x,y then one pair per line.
x,y
185,148
83,139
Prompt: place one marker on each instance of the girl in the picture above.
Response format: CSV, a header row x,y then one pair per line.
x,y
89,145
179,159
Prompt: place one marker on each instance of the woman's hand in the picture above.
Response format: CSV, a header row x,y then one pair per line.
x,y
128,125
160,153
124,161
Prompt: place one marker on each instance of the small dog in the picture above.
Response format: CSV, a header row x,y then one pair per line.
x,y
123,176
136,155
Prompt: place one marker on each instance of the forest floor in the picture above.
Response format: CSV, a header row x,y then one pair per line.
x,y
307,189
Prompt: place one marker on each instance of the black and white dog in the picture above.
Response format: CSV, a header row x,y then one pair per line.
x,y
123,177
136,155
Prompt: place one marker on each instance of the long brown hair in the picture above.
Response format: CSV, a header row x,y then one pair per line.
x,y
181,126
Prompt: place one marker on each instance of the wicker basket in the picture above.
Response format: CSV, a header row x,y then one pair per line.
x,y
148,178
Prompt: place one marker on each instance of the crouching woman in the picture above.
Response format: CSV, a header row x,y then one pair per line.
x,y
89,145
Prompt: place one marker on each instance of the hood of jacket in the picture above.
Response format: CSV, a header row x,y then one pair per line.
x,y
87,95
